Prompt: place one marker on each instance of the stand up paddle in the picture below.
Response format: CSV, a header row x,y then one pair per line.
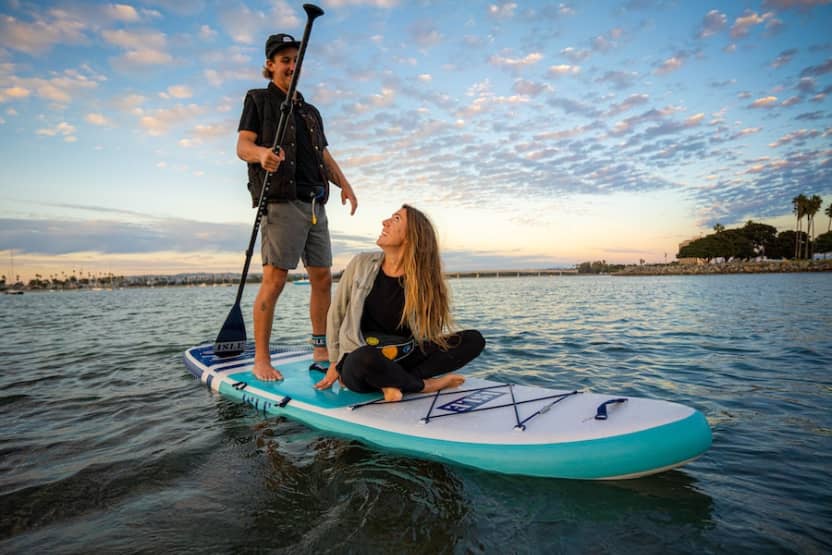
x,y
231,341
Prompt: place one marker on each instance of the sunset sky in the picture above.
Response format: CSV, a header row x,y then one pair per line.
x,y
535,134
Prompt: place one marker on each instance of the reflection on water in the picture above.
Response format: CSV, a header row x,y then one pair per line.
x,y
108,444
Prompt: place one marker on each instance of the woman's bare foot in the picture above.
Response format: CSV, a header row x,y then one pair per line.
x,y
391,394
447,381
265,372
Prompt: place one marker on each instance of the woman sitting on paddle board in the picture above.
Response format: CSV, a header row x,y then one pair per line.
x,y
388,326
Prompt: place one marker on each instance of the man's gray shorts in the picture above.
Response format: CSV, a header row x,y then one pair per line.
x,y
287,235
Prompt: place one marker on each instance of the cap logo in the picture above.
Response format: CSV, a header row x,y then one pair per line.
x,y
287,39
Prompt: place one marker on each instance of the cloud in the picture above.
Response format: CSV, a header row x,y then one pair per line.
x,y
571,106
502,11
627,104
713,22
116,232
743,25
425,33
765,102
800,136
576,55
665,127
486,102
56,237
820,69
251,27
160,121
669,65
144,57
386,4
748,131
607,41
206,33
59,89
515,63
619,79
131,40
811,116
41,35
141,48
384,98
693,120
63,129
529,88
97,119
14,93
180,7
213,76
804,5
130,104
122,12
764,187
177,91
806,85
563,69
784,58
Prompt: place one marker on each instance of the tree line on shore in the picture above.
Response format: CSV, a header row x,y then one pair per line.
x,y
753,240
756,240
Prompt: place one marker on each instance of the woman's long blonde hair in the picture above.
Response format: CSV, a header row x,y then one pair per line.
x,y
427,309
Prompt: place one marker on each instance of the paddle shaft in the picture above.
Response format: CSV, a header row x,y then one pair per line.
x,y
312,12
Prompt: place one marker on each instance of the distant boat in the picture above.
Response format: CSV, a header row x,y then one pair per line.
x,y
11,276
301,282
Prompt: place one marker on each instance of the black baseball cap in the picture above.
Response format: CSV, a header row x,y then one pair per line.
x,y
278,42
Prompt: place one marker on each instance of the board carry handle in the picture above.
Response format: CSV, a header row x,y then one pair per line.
x,y
601,411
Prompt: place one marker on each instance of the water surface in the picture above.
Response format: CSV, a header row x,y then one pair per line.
x,y
108,444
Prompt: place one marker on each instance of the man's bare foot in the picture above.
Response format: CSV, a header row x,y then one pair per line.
x,y
391,394
320,354
447,381
264,371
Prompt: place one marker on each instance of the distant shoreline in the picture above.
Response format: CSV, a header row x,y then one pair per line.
x,y
734,267
672,269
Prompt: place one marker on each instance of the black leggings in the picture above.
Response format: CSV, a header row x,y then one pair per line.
x,y
366,369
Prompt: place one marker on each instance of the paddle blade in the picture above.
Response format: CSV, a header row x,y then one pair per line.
x,y
231,341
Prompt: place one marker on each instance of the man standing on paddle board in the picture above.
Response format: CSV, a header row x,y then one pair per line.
x,y
294,225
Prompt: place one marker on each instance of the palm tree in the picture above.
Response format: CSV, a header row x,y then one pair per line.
x,y
813,204
828,212
799,203
719,228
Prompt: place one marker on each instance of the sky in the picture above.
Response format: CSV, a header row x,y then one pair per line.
x,y
534,134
